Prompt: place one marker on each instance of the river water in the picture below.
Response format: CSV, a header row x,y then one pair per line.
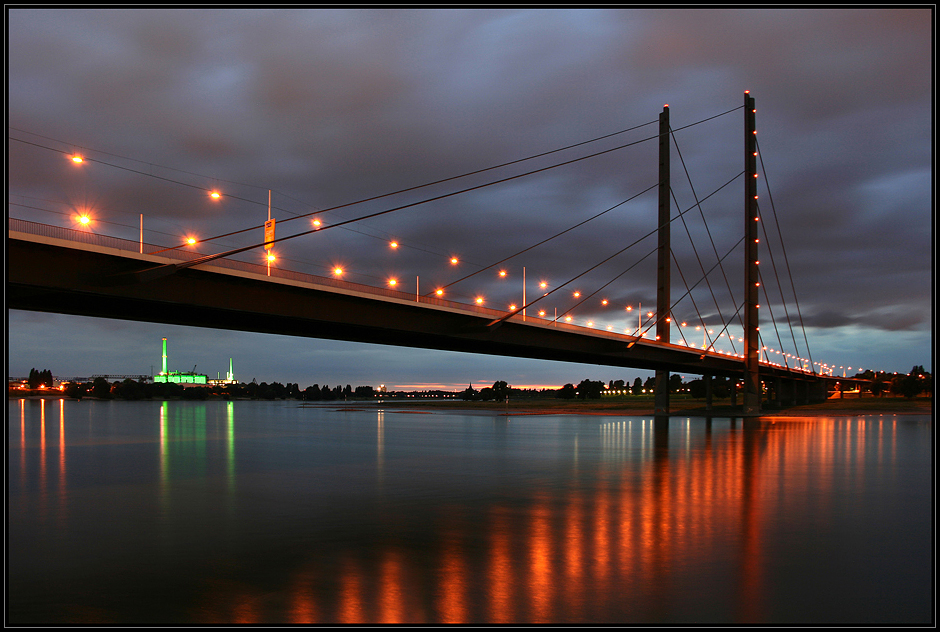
x,y
271,512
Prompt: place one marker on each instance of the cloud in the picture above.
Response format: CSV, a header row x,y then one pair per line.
x,y
326,107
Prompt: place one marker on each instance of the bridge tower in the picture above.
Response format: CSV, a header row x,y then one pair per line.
x,y
663,313
751,391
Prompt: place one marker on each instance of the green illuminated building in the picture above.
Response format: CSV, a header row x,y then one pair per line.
x,y
177,377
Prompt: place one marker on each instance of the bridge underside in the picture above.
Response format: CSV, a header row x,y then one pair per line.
x,y
50,275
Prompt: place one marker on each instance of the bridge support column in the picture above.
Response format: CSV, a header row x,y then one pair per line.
x,y
708,391
818,391
801,395
663,312
751,390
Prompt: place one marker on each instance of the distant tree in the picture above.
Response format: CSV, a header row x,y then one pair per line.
x,y
195,392
75,390
650,384
637,387
128,389
101,388
312,393
696,388
566,392
589,389
675,383
617,384
40,378
365,392
500,390
912,384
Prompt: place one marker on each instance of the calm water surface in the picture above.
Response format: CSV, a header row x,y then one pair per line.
x,y
269,512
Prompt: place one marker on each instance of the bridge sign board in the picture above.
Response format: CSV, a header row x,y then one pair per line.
x,y
268,234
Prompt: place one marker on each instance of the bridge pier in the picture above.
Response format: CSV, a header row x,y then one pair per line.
x,y
707,378
663,313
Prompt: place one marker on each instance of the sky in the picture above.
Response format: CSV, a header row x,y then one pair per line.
x,y
326,108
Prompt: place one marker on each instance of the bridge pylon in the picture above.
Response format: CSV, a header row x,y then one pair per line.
x,y
751,387
663,313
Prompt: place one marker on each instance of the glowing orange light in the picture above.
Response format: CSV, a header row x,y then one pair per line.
x,y
543,285
215,195
479,300
439,292
338,271
84,220
394,244
649,314
590,323
629,308
77,159
316,222
502,273
568,318
393,282
512,308
542,312
453,261
190,240
604,302
577,294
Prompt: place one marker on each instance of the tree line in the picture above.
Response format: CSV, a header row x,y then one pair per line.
x,y
911,385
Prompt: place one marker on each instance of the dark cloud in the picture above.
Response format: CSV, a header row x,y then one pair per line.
x,y
326,107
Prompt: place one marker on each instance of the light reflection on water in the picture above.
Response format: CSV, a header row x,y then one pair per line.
x,y
267,512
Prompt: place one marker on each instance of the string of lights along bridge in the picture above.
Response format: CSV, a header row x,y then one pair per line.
x,y
514,264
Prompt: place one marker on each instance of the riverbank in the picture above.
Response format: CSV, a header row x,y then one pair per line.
x,y
681,408
625,406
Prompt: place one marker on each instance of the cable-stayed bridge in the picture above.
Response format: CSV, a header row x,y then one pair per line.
x,y
82,272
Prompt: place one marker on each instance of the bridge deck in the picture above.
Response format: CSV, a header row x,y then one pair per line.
x,y
59,270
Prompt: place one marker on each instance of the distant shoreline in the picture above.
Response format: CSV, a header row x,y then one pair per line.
x,y
620,407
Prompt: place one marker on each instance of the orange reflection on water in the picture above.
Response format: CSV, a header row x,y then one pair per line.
x,y
391,600
350,607
500,580
540,565
302,609
453,583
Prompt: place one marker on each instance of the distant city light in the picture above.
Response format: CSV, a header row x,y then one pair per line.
x,y
215,195
77,159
